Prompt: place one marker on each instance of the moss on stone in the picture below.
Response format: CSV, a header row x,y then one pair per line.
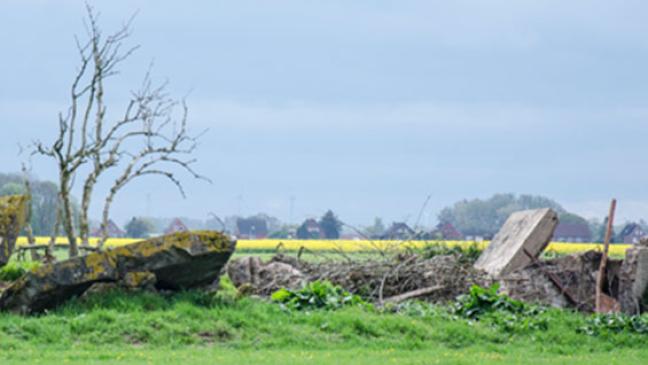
x,y
213,241
138,279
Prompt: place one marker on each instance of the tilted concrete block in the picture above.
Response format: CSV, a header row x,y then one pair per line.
x,y
529,230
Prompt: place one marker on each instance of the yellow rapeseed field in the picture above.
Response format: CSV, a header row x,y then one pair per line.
x,y
356,245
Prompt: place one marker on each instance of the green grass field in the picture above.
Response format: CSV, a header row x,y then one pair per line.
x,y
217,355
197,328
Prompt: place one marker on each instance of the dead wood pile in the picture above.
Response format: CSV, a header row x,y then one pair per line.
x,y
446,276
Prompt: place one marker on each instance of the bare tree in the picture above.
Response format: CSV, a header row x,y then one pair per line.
x,y
88,137
168,148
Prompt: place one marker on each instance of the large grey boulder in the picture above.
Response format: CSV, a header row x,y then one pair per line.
x,y
524,233
178,261
633,280
13,211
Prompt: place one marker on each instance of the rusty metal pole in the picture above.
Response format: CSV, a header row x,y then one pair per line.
x,y
603,265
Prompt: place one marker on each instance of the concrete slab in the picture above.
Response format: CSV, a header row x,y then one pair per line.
x,y
633,280
529,230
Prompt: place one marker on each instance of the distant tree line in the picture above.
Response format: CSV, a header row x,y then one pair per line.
x,y
476,217
484,218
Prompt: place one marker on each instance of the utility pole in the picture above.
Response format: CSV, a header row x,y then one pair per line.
x,y
604,303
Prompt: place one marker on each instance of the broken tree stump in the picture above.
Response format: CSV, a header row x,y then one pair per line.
x,y
530,229
178,261
13,211
605,303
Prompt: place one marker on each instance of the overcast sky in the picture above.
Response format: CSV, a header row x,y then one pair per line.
x,y
363,107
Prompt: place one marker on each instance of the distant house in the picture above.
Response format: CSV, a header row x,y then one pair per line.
x,y
113,231
351,236
398,231
176,226
447,231
251,228
632,233
310,229
572,232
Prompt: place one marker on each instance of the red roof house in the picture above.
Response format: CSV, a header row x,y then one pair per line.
x,y
176,226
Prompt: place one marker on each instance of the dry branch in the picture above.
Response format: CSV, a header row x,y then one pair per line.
x,y
414,294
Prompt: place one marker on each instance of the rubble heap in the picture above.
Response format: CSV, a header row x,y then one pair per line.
x,y
565,282
512,259
379,281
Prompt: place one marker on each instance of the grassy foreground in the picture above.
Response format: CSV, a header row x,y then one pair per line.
x,y
210,356
198,328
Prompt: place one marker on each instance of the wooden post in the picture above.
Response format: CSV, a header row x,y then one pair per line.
x,y
606,246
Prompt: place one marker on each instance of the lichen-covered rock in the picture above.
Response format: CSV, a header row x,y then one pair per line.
x,y
132,281
178,261
13,209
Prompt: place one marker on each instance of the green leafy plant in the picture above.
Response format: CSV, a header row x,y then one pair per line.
x,y
599,324
480,301
503,312
13,270
317,295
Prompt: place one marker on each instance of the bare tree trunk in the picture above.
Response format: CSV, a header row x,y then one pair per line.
x,y
51,246
68,216
106,218
84,225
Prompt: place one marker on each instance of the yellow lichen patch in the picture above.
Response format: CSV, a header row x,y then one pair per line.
x,y
97,264
44,270
214,241
138,279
